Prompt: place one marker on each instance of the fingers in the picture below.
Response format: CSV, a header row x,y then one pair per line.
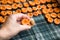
x,y
16,16
25,16
24,27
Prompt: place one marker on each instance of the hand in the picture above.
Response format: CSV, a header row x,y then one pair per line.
x,y
11,27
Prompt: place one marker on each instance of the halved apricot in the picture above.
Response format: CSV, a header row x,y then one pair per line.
x,y
14,6
50,20
20,5
29,9
56,21
53,15
18,11
3,13
26,4
24,10
30,14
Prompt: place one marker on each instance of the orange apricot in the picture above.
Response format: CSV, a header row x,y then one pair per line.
x,y
18,11
8,7
20,5
31,3
47,15
32,22
58,15
24,10
45,11
56,21
30,14
50,20
37,2
14,6
38,7
54,4
39,12
3,7
3,13
26,4
29,9
43,6
43,1
35,13
53,15
56,10
9,12
34,8
4,1
25,21
50,10
1,19
10,1
49,5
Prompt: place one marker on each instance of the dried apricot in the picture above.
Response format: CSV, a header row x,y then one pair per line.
x,y
43,1
53,15
58,15
18,11
50,20
34,8
3,13
3,7
10,1
24,10
49,5
56,21
25,21
26,4
14,6
54,4
9,12
20,5
35,13
30,14
4,1
37,2
47,15
1,19
38,7
29,9
50,10
8,7
43,6
45,11
31,3
57,10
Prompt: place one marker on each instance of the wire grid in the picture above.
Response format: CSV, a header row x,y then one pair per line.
x,y
41,31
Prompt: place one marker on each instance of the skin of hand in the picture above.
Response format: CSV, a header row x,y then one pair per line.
x,y
11,27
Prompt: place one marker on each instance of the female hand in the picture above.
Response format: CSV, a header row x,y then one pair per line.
x,y
11,27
